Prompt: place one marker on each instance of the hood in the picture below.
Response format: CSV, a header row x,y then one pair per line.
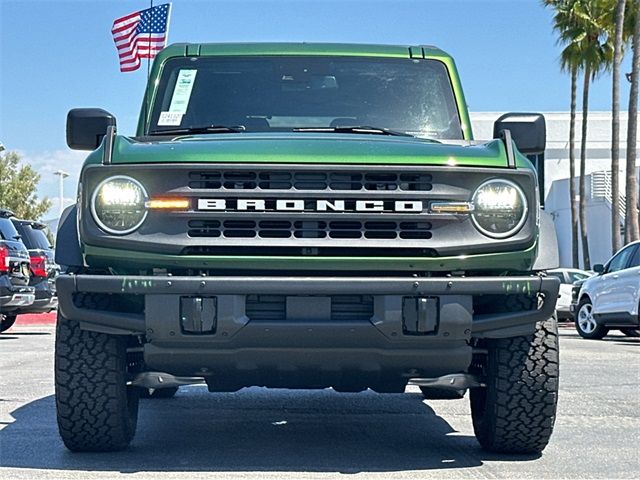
x,y
308,148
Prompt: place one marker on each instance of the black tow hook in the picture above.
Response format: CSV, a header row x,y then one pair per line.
x,y
455,381
158,380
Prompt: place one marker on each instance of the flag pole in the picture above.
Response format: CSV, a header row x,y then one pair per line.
x,y
149,45
146,91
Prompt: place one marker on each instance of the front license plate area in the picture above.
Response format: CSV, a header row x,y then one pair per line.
x,y
308,308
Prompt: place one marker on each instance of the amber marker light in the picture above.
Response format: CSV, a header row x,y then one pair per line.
x,y
452,207
168,204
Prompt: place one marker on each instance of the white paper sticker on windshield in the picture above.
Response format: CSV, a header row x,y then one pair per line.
x,y
182,91
170,119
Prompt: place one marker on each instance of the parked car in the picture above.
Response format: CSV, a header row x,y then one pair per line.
x,y
44,270
611,299
15,291
568,277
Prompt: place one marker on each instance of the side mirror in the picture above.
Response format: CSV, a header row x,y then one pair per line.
x,y
528,131
598,268
87,126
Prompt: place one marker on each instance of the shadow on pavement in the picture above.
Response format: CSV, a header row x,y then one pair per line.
x,y
23,334
258,430
622,340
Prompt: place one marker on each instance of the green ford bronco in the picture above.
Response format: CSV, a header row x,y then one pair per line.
x,y
307,216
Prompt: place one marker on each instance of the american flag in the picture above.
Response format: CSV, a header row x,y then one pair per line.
x,y
140,34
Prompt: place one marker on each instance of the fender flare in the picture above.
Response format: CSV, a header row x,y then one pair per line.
x,y
548,253
68,248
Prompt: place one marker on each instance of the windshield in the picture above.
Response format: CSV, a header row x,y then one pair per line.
x,y
285,93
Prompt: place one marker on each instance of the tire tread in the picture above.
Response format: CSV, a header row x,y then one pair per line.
x,y
96,411
522,392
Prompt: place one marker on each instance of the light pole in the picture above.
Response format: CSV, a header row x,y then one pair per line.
x,y
62,174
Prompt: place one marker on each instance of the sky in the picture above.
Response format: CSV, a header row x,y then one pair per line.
x,y
58,55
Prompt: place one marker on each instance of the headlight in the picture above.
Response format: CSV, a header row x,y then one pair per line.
x,y
118,205
500,208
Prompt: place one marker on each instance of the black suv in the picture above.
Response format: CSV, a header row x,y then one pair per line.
x,y
43,267
15,265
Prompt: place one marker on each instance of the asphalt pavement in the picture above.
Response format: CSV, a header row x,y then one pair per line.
x,y
281,434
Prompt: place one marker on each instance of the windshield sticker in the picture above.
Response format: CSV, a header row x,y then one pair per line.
x,y
170,119
182,91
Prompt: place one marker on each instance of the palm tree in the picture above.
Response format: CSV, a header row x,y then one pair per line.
x,y
572,168
582,27
615,125
569,61
632,230
597,55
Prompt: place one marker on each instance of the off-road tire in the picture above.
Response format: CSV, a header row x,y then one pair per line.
x,y
516,411
442,393
158,392
631,332
598,332
96,410
6,322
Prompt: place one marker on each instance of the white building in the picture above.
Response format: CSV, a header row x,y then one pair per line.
x,y
598,181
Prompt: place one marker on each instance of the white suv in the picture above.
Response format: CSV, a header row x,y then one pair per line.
x,y
568,277
611,299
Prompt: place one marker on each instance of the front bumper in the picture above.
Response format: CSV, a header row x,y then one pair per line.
x,y
168,290
300,346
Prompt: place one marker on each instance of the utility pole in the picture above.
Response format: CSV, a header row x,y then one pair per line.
x,y
62,174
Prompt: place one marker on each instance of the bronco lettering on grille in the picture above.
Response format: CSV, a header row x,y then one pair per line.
x,y
287,205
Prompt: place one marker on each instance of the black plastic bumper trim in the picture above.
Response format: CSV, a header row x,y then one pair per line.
x,y
489,325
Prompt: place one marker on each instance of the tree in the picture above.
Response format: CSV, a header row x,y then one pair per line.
x,y
572,168
597,54
581,25
632,230
618,23
18,187
569,61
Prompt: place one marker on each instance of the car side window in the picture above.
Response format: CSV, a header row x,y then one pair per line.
x,y
635,261
620,261
575,276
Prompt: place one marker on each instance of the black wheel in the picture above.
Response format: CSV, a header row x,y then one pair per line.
x,y
96,410
158,392
631,332
585,323
516,410
442,393
7,321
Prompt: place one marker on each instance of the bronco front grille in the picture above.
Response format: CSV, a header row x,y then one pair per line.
x,y
300,180
308,225
272,209
328,229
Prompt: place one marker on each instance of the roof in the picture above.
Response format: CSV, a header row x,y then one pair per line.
x,y
4,213
325,49
33,223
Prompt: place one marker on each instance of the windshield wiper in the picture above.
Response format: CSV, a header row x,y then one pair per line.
x,y
200,129
366,129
